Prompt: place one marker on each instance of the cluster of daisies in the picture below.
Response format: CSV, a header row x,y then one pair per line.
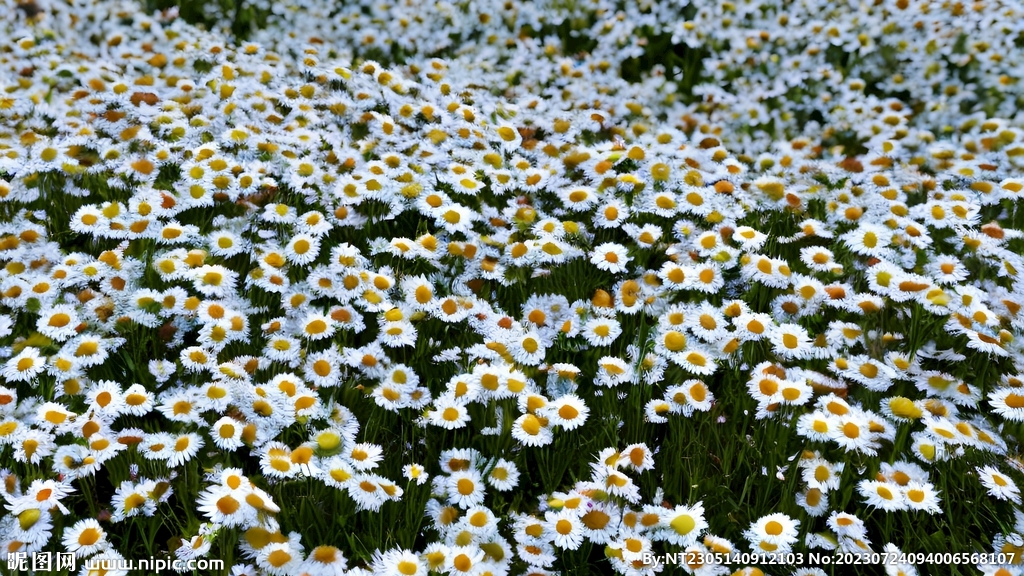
x,y
758,71
230,269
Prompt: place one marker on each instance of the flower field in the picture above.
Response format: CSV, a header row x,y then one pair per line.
x,y
497,287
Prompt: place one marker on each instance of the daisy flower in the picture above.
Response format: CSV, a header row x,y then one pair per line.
x,y
280,558
707,322
853,433
131,499
415,473
569,412
197,359
40,494
403,562
53,415
696,360
397,334
820,259
749,239
632,546
813,501
465,488
637,457
601,331
922,496
869,240
157,446
504,475
565,528
85,538
646,236
225,243
849,334
88,220
302,249
463,560
283,349
528,349
790,340
138,401
25,366
276,460
537,554
456,459
926,448
59,322
336,472
874,375
821,474
682,525
884,495
184,448
615,482
610,257
227,433
33,445
317,326
181,404
448,413
773,272
774,533
818,426
451,309
600,521
580,199
530,430
947,270
323,369
675,275
847,525
1008,403
365,456
753,326
454,218
998,484
706,277
419,292
613,371
214,280
697,394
